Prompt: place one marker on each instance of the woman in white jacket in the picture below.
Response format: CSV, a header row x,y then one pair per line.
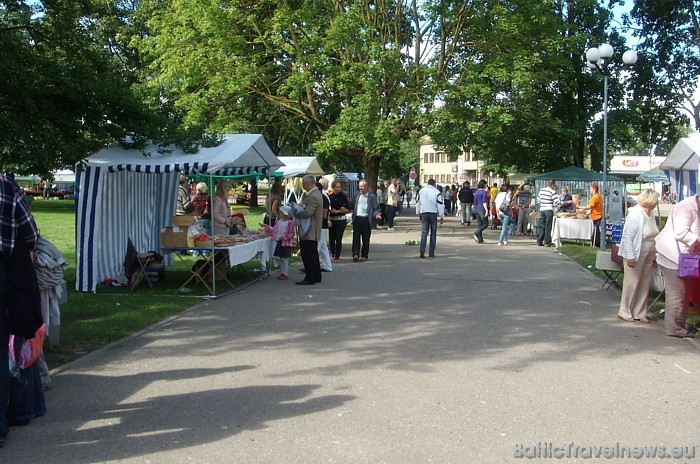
x,y
638,251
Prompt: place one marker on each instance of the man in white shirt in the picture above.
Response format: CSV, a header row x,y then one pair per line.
x,y
429,205
548,201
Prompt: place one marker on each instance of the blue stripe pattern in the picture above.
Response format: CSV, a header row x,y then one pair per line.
x,y
684,183
113,207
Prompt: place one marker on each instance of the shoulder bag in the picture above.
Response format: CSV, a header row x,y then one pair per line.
x,y
688,263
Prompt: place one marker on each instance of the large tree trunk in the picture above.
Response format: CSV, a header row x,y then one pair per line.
x,y
372,170
578,146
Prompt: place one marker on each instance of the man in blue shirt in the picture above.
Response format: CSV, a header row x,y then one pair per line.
x,y
429,205
481,208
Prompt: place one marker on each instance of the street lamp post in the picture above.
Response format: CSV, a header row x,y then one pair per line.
x,y
599,59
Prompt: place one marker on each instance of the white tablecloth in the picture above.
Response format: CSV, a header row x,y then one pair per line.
x,y
576,229
242,253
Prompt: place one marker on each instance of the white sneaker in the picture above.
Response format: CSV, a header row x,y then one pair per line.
x,y
505,243
500,244
476,239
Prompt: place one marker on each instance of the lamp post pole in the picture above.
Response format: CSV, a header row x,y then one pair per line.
x,y
598,59
603,220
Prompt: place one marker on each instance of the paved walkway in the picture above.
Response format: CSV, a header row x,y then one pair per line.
x,y
458,359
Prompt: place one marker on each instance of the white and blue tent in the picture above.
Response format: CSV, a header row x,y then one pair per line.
x,y
681,166
131,193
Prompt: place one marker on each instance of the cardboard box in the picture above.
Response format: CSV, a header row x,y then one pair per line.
x,y
173,236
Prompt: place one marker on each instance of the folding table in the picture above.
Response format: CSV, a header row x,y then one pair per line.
x,y
611,269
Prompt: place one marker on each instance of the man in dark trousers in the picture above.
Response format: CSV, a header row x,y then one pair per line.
x,y
309,236
466,198
365,213
18,236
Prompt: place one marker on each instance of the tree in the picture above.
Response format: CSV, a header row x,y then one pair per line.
x,y
520,97
62,93
669,42
330,76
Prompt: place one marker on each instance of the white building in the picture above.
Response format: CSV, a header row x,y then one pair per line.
x,y
435,164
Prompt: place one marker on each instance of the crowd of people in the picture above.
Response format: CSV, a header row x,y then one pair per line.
x,y
509,207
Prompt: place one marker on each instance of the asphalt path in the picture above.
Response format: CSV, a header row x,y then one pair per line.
x,y
480,355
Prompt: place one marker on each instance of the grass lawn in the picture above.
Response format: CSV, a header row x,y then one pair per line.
x,y
92,320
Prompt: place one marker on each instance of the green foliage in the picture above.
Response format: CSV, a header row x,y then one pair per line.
x,y
670,54
521,99
63,94
325,74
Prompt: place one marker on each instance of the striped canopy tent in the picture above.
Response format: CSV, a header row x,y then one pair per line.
x,y
132,193
681,166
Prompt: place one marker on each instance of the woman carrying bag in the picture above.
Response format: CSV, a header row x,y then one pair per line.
x,y
680,235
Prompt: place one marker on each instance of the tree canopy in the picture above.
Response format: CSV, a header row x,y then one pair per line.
x,y
352,81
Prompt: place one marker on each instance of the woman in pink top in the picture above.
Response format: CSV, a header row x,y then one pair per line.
x,y
682,232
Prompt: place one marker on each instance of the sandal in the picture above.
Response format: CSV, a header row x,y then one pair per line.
x,y
646,320
626,319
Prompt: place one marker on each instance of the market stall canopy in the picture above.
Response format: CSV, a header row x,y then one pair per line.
x,y
579,180
237,154
681,166
295,166
575,173
122,193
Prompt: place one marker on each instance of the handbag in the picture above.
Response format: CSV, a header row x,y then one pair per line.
x,y
504,207
688,263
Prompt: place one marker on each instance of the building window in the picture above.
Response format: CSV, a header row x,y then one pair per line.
x,y
432,157
425,157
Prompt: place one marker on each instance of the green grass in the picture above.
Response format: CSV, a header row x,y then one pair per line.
x,y
92,320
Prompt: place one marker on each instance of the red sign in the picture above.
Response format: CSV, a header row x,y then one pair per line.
x,y
630,163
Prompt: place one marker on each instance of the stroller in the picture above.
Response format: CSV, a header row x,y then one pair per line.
x,y
496,222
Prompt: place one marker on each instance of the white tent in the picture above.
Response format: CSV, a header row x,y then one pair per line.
x,y
132,193
298,166
681,166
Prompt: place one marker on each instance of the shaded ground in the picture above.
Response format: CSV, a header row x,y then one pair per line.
x,y
397,360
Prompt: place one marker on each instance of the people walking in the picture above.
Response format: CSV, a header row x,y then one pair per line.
x,y
524,200
680,235
392,202
365,212
308,241
381,198
502,203
637,249
340,207
466,200
595,206
324,253
429,206
548,201
481,208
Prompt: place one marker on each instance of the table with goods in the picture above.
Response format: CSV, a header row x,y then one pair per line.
x,y
217,253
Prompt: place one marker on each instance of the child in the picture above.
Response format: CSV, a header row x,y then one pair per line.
x,y
283,233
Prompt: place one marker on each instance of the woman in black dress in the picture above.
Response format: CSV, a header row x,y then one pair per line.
x,y
340,206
